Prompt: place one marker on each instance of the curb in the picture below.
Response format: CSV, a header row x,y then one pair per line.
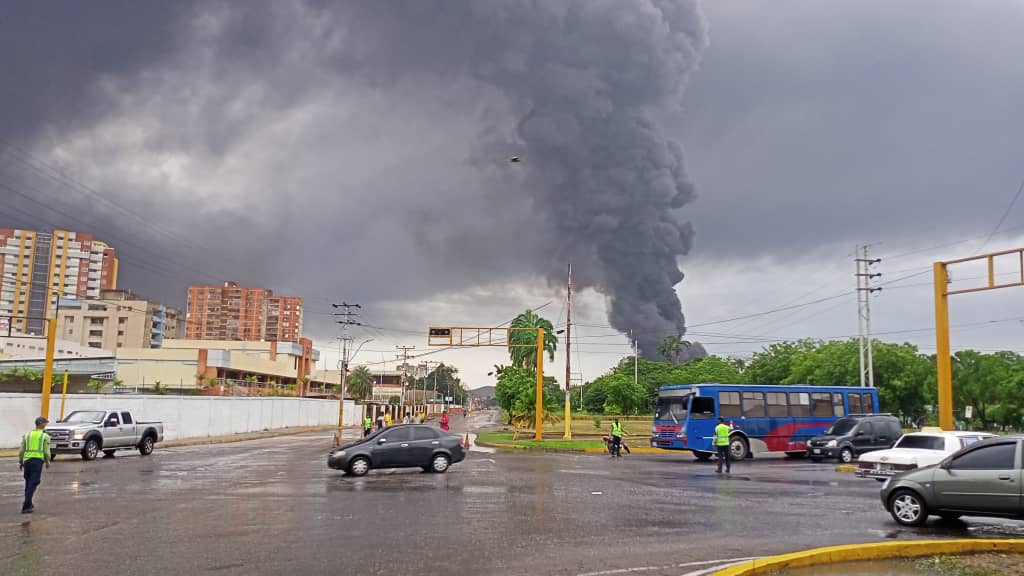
x,y
846,468
244,437
872,551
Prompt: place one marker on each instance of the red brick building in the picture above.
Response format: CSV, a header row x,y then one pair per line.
x,y
233,312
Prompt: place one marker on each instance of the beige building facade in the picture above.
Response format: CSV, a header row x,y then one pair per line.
x,y
118,319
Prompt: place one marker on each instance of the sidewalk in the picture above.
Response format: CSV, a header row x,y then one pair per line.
x,y
350,432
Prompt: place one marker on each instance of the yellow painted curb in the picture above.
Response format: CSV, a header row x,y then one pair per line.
x,y
871,551
846,468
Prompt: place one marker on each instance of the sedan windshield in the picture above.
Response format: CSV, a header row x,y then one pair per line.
x,y
922,442
841,427
83,417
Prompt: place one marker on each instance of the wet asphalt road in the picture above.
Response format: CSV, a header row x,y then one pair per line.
x,y
271,506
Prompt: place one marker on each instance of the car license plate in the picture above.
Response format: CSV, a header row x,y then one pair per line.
x,y
817,450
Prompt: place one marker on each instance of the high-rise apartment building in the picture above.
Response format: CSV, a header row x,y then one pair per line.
x,y
233,312
41,267
119,319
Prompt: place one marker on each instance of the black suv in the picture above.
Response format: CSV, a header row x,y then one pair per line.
x,y
854,435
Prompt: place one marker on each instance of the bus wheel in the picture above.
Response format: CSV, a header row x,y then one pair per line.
x,y
739,448
702,456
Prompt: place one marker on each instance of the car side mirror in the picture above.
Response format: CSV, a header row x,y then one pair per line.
x,y
382,440
946,464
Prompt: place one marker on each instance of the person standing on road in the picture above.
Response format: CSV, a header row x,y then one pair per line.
x,y
722,445
405,419
387,420
367,426
33,455
444,422
380,421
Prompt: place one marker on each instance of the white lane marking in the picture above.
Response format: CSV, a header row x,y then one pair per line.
x,y
682,565
718,567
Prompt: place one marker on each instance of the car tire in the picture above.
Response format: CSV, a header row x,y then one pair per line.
x,y
90,450
908,508
846,455
359,466
440,463
109,453
703,456
146,446
797,455
739,447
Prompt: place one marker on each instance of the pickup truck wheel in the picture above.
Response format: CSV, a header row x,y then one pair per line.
x,y
90,450
146,446
109,453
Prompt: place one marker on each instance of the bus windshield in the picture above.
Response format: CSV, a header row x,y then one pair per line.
x,y
672,408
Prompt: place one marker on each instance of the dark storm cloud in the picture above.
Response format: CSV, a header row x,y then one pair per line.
x,y
342,148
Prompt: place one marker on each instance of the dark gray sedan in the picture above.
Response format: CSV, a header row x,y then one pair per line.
x,y
983,479
402,446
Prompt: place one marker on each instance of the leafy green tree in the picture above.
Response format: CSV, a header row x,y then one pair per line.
x,y
772,365
394,399
670,348
96,385
360,383
159,389
522,344
516,393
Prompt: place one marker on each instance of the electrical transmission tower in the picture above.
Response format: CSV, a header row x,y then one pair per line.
x,y
864,291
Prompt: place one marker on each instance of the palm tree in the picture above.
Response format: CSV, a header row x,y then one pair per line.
x,y
97,386
159,388
360,383
522,344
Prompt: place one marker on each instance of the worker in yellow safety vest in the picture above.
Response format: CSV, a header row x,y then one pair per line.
x,y
722,431
367,426
33,455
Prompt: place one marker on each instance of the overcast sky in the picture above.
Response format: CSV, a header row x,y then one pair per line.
x,y
358,152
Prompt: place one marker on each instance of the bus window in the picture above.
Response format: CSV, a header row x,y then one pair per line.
x,y
671,408
753,404
821,404
855,407
777,405
800,404
702,408
867,403
729,404
838,410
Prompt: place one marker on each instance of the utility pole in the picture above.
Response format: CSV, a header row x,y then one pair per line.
x,y
568,339
405,367
864,292
348,317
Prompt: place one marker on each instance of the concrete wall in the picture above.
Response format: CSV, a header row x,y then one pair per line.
x,y
183,416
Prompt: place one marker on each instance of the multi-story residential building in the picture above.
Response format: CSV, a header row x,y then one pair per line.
x,y
284,318
118,319
233,312
38,268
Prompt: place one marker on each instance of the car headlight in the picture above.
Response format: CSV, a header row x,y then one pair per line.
x,y
338,453
831,444
79,434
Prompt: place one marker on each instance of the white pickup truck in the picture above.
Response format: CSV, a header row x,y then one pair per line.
x,y
915,450
88,432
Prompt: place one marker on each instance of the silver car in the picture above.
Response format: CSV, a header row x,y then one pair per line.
x,y
983,479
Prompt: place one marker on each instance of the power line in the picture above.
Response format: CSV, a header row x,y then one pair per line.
x,y
1002,218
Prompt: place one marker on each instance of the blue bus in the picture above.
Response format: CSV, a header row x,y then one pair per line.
x,y
764,418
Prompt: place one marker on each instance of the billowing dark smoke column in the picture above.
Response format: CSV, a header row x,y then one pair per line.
x,y
590,78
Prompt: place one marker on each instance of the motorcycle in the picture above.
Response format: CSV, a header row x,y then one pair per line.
x,y
609,445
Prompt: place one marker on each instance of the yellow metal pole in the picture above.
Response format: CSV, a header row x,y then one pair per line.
x,y
538,424
943,364
568,418
63,394
51,337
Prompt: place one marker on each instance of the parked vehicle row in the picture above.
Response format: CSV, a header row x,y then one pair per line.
x,y
915,450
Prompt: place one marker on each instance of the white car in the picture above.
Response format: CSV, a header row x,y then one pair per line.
x,y
915,450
